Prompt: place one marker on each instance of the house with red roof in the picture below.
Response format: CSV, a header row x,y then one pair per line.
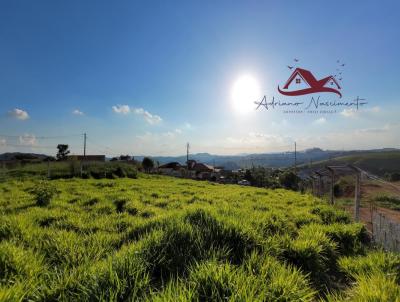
x,y
302,82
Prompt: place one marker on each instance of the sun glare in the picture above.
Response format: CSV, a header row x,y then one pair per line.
x,y
245,92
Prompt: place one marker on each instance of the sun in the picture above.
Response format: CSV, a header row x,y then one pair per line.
x,y
245,91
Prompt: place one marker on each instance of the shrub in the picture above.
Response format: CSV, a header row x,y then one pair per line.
x,y
376,261
214,281
171,251
120,172
395,176
376,287
17,263
223,235
314,253
330,215
349,238
85,175
43,192
120,205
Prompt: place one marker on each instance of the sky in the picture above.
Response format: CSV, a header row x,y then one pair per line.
x,y
146,77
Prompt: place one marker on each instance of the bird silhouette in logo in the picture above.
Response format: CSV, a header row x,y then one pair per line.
x,y
342,64
296,60
290,67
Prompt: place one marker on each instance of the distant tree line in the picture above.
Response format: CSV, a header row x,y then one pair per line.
x,y
273,178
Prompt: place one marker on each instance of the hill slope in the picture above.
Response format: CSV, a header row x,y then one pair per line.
x,y
273,160
166,239
377,163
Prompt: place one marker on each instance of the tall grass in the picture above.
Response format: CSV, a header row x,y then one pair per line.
x,y
165,239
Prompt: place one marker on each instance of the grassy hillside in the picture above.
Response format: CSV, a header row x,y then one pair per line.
x,y
377,163
164,239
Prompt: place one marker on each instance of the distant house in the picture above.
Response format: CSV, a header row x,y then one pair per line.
x,y
193,170
98,158
172,169
204,171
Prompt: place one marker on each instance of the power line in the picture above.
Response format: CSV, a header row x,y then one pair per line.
x,y
40,137
30,146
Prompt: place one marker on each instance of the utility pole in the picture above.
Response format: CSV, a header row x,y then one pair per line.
x,y
295,158
84,145
187,155
84,153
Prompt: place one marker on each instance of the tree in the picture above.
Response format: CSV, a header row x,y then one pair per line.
x,y
126,158
248,176
289,180
62,151
147,164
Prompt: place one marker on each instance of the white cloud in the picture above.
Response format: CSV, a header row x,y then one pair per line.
x,y
121,109
152,119
157,137
374,109
320,121
281,123
3,142
385,128
352,113
77,112
349,112
258,142
19,114
27,140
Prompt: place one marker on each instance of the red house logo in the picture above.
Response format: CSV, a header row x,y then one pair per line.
x,y
303,82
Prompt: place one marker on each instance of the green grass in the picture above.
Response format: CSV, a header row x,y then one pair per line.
x,y
69,169
157,238
387,201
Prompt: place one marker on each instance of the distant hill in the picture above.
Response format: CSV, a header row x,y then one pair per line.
x,y
274,160
379,163
22,156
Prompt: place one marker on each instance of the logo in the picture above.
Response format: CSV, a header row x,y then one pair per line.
x,y
304,82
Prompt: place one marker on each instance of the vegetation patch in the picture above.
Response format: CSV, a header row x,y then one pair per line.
x,y
168,239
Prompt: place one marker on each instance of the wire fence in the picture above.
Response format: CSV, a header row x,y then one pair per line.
x,y
382,222
385,232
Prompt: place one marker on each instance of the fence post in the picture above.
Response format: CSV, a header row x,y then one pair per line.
x,y
313,185
319,187
332,200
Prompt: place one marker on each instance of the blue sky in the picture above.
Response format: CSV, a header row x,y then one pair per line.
x,y
145,77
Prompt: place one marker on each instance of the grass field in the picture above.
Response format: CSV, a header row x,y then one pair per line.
x,y
165,239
